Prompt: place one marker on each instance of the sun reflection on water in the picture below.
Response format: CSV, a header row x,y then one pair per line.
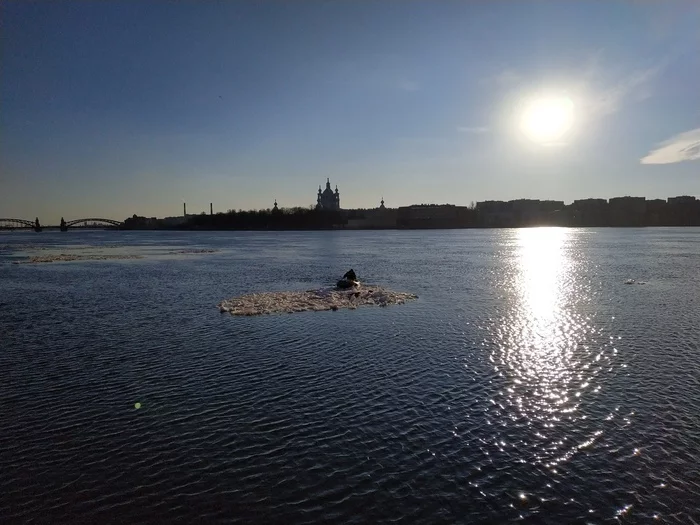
x,y
545,347
538,345
542,263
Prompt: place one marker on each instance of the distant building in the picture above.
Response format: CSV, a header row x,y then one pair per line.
x,y
532,212
656,204
588,212
683,211
655,212
683,199
627,211
373,218
495,213
629,202
137,222
328,200
593,204
435,216
521,212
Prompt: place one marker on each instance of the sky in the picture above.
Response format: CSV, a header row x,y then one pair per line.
x,y
109,109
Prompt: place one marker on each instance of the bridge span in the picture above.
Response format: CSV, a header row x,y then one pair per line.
x,y
88,222
7,224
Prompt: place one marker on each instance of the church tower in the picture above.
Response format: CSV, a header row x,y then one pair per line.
x,y
328,199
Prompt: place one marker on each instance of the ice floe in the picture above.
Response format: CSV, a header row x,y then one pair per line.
x,y
195,251
313,300
64,257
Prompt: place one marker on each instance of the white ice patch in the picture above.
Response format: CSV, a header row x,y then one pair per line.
x,y
312,300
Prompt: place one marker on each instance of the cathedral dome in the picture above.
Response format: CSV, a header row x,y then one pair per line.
x,y
327,199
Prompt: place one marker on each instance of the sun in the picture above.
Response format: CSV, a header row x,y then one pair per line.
x,y
547,120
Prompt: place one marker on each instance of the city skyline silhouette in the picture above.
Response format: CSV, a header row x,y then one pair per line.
x,y
111,109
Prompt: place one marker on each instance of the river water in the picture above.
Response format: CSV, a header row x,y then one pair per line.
x,y
527,383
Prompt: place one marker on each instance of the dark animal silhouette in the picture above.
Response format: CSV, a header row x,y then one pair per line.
x,y
349,280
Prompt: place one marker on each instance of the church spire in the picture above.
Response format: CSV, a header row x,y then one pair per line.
x,y
328,199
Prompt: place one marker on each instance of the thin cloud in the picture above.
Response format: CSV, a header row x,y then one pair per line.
x,y
684,146
597,98
633,88
476,130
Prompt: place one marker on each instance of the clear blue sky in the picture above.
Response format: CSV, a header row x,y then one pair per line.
x,y
114,108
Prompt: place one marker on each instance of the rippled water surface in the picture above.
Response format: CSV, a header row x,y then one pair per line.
x,y
527,383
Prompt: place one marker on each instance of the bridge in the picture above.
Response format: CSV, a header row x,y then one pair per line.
x,y
12,224
89,222
92,221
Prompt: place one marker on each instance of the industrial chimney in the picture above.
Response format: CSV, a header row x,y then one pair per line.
x,y
211,208
184,209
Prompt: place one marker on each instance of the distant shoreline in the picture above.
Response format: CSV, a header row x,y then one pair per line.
x,y
442,228
617,212
405,229
194,230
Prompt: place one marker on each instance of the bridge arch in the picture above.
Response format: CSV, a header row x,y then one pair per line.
x,y
110,222
16,223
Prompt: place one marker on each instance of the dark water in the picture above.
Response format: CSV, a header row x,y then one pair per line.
x,y
528,383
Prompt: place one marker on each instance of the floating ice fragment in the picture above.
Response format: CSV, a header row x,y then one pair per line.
x,y
312,300
192,251
63,257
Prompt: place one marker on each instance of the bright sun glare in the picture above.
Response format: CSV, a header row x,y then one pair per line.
x,y
547,120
